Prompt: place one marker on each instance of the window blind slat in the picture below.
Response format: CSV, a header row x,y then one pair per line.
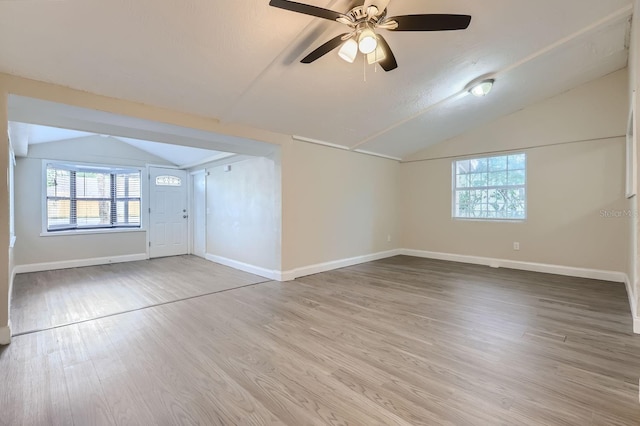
x,y
82,197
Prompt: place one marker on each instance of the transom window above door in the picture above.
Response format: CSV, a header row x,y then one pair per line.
x,y
168,180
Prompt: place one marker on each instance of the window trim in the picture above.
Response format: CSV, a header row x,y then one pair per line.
x,y
45,232
488,219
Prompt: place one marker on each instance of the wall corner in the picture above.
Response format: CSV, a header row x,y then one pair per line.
x,y
5,334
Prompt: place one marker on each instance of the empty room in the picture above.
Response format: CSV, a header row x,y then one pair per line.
x,y
345,212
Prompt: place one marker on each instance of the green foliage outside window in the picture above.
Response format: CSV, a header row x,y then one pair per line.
x,y
490,187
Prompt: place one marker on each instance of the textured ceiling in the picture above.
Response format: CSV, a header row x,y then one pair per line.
x,y
239,61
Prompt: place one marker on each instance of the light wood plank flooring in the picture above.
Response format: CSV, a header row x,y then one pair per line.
x,y
401,341
48,299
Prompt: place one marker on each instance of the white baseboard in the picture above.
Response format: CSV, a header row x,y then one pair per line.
x,y
570,271
292,274
65,264
12,277
5,334
246,267
336,264
633,303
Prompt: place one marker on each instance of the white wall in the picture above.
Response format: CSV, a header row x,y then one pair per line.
x,y
31,248
243,212
337,205
568,187
6,256
634,228
576,156
11,265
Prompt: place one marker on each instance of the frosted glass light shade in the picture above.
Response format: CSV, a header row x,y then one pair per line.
x,y
377,55
349,50
367,42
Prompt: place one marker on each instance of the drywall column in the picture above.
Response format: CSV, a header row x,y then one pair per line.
x,y
287,235
243,218
5,331
634,226
636,237
634,66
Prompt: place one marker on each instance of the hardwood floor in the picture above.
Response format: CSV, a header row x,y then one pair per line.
x,y
401,341
48,299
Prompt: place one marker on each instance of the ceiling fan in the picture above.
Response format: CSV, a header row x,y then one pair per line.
x,y
363,21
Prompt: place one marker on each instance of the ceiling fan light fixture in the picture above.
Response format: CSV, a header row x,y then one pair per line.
x,y
482,88
367,42
349,50
363,21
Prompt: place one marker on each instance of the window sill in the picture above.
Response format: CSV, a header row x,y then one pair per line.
x,y
470,219
90,232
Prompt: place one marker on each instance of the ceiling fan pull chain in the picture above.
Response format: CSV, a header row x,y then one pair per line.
x,y
375,64
364,67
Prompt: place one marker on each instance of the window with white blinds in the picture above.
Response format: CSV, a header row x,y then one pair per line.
x,y
82,197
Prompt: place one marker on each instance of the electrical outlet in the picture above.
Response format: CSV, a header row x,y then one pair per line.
x,y
516,246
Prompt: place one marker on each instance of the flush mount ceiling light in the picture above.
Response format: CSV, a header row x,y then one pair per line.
x,y
363,21
482,88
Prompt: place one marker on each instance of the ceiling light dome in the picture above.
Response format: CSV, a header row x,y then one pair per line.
x,y
482,88
367,42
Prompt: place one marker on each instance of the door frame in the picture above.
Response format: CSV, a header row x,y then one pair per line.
x,y
147,209
191,201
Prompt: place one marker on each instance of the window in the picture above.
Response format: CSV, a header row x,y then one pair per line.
x,y
490,187
168,181
83,197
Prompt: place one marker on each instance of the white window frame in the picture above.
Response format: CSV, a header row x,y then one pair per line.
x,y
144,208
454,186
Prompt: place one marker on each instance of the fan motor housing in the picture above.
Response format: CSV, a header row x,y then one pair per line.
x,y
358,15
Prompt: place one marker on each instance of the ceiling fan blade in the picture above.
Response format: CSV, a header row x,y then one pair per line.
x,y
306,9
389,62
433,22
324,49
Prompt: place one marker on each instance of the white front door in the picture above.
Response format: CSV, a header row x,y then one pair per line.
x,y
168,217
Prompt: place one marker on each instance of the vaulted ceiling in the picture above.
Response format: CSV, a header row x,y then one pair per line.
x,y
178,155
238,61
